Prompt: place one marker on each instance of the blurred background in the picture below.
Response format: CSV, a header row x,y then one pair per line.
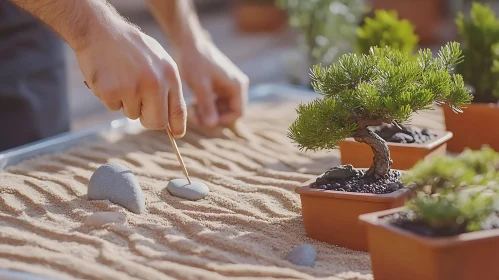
x,y
256,35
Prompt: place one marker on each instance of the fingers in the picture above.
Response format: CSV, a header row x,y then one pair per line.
x,y
206,106
113,105
163,102
234,96
154,106
108,94
132,105
177,113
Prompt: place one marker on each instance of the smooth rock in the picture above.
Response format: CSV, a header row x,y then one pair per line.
x,y
181,188
302,255
116,183
6,274
339,172
401,138
100,219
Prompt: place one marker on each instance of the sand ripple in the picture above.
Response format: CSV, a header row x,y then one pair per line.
x,y
243,229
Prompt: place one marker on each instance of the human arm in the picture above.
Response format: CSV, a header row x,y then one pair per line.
x,y
124,67
220,88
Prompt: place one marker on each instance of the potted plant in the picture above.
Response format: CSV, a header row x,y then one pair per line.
x,y
407,144
360,91
449,232
428,16
258,16
480,45
326,30
386,29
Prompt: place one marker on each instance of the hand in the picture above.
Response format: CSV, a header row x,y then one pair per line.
x,y
220,88
130,70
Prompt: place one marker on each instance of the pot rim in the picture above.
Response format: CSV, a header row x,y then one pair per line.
x,y
306,190
441,138
373,219
475,105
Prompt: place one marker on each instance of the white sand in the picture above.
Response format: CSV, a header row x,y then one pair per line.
x,y
246,225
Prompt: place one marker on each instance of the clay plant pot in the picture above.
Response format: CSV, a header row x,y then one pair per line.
x,y
332,216
404,156
473,128
400,254
427,16
258,16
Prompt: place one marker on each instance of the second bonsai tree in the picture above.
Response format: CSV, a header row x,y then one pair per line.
x,y
384,86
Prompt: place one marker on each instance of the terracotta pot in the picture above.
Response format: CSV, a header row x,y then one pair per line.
x,y
404,156
332,216
400,254
427,16
473,128
258,17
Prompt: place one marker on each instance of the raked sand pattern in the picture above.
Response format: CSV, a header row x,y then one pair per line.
x,y
242,230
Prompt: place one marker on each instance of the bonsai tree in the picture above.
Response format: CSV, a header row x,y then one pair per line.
x,y
469,168
327,28
384,86
451,213
480,43
458,194
386,29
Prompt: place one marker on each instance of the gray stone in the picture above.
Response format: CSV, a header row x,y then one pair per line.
x,y
181,188
19,275
401,138
99,219
394,186
302,255
340,172
116,183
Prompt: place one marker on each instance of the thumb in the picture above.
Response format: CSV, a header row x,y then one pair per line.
x,y
207,109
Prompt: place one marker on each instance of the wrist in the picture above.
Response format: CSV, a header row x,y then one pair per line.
x,y
192,38
105,24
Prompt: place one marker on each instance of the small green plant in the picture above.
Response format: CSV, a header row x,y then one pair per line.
x,y
462,210
480,44
327,28
384,86
467,169
457,193
386,29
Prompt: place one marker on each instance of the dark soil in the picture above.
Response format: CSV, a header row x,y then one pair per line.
x,y
347,179
408,134
419,227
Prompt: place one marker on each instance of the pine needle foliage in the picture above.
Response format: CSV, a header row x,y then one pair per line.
x,y
458,193
460,211
480,44
375,88
386,29
467,169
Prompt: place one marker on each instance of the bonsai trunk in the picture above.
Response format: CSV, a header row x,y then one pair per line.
x,y
381,160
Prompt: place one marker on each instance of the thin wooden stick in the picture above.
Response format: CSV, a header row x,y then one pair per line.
x,y
175,147
179,157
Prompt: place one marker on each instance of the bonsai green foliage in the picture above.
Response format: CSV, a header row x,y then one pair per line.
x,y
383,86
480,39
470,168
327,28
386,29
460,211
462,190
